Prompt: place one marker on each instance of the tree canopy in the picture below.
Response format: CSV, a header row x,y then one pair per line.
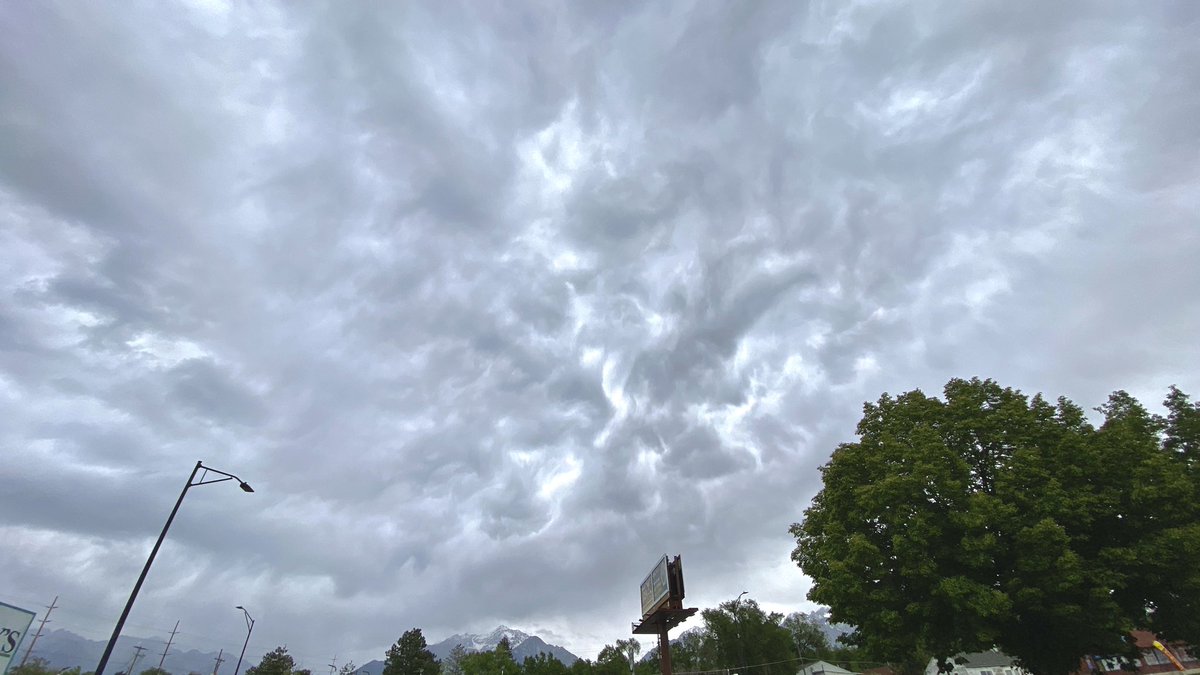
x,y
810,642
993,519
410,656
741,633
499,661
452,664
275,662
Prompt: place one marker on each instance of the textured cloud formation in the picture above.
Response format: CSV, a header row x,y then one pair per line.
x,y
496,304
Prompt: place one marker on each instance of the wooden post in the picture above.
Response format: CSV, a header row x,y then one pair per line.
x,y
664,649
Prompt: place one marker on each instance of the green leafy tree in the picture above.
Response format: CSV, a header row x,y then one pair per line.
x,y
694,650
410,656
452,664
611,661
810,641
581,667
740,633
155,671
992,519
504,649
495,662
631,648
275,662
543,664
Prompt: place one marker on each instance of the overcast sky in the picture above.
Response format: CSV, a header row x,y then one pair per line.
x,y
496,303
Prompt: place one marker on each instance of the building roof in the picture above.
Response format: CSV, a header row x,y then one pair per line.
x,y
819,667
988,659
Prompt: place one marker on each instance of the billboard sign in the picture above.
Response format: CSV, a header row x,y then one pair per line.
x,y
655,588
14,623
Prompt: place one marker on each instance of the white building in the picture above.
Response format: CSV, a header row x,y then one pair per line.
x,y
823,668
980,663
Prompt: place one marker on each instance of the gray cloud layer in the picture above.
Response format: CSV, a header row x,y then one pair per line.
x,y
495,304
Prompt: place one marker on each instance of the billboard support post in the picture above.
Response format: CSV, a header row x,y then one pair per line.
x,y
662,606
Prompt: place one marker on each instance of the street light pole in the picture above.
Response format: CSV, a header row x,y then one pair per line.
x,y
112,641
737,608
249,630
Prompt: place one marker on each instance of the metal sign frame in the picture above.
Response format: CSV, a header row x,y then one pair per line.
x,y
656,587
12,633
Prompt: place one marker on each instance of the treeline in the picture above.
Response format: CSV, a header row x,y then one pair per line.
x,y
738,636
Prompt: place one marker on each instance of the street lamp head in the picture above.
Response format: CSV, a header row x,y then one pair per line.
x,y
245,486
240,607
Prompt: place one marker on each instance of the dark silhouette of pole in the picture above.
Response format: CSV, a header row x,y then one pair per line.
x,y
137,654
249,630
220,659
38,634
168,647
737,605
112,642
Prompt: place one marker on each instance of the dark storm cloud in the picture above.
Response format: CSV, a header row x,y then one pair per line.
x,y
494,305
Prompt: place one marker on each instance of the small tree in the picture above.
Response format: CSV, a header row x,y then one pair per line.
x,y
410,656
452,665
610,661
581,667
810,641
33,666
631,648
504,649
275,662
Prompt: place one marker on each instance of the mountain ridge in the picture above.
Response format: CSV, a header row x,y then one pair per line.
x,y
523,646
61,649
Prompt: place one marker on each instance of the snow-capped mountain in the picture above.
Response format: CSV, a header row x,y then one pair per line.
x,y
473,642
523,644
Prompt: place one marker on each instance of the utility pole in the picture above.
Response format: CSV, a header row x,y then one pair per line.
x,y
333,666
737,604
137,654
168,647
218,660
38,634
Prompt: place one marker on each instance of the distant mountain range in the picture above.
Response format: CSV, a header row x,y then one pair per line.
x,y
523,646
64,649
